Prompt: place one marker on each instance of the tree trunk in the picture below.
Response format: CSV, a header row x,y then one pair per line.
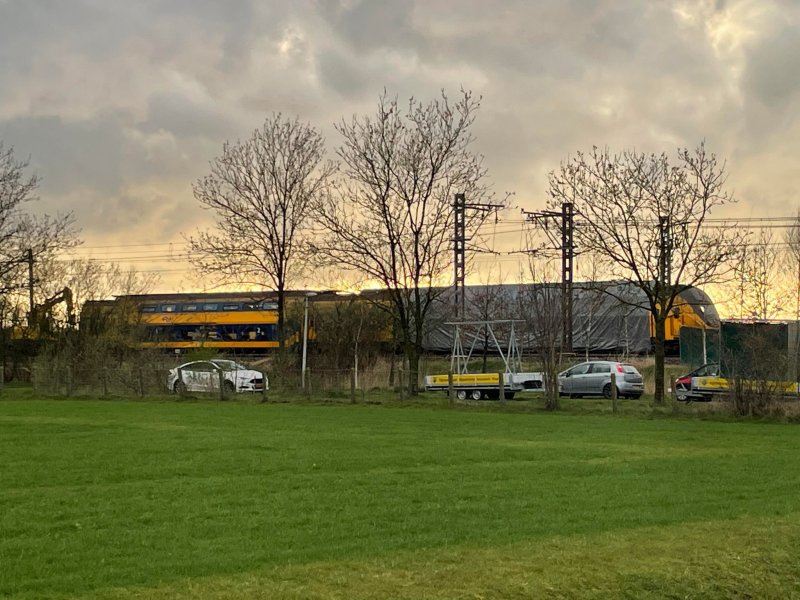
x,y
281,319
412,356
658,343
550,377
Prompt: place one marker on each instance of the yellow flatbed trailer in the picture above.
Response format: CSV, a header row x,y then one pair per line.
x,y
476,386
721,385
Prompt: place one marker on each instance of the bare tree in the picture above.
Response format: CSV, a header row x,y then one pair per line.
x,y
261,190
90,280
539,306
16,188
24,237
648,218
391,218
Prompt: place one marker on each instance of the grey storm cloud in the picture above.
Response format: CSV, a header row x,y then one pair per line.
x,y
122,104
773,69
72,154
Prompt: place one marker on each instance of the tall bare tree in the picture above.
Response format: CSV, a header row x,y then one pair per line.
x,y
261,191
648,218
391,218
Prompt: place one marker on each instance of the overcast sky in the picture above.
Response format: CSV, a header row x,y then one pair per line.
x,y
120,105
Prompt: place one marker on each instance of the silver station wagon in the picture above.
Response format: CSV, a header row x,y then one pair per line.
x,y
593,378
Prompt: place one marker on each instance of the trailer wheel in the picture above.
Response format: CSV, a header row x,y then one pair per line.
x,y
461,394
476,394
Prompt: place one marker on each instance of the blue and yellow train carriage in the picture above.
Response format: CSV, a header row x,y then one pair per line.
x,y
227,323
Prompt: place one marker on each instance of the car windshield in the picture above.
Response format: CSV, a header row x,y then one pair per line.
x,y
710,370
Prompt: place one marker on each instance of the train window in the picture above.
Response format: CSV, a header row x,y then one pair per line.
x,y
149,308
168,307
269,306
210,306
190,308
230,307
250,306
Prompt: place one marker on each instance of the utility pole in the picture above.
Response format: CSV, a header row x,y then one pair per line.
x,y
567,272
460,207
30,286
459,253
665,253
565,242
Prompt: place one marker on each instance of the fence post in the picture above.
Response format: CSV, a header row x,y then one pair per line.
x,y
264,386
451,393
181,387
613,392
140,378
221,377
352,386
69,380
307,389
104,379
401,374
501,386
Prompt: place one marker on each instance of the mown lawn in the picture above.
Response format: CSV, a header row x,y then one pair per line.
x,y
121,499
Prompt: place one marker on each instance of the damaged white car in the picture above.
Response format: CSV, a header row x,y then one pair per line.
x,y
204,376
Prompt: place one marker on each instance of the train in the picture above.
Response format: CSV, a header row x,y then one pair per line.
x,y
608,317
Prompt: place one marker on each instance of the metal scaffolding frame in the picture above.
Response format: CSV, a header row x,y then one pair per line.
x,y
459,359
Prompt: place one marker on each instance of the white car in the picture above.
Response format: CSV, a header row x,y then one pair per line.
x,y
203,376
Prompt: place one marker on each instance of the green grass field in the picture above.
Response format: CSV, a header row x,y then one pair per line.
x,y
102,499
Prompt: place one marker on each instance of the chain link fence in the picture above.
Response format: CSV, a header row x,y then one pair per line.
x,y
152,378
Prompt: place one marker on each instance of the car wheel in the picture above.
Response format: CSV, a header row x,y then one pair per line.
x,y
607,392
509,395
576,395
461,394
681,397
179,387
228,387
476,394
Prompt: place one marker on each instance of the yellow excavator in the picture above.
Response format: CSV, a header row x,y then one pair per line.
x,y
40,318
